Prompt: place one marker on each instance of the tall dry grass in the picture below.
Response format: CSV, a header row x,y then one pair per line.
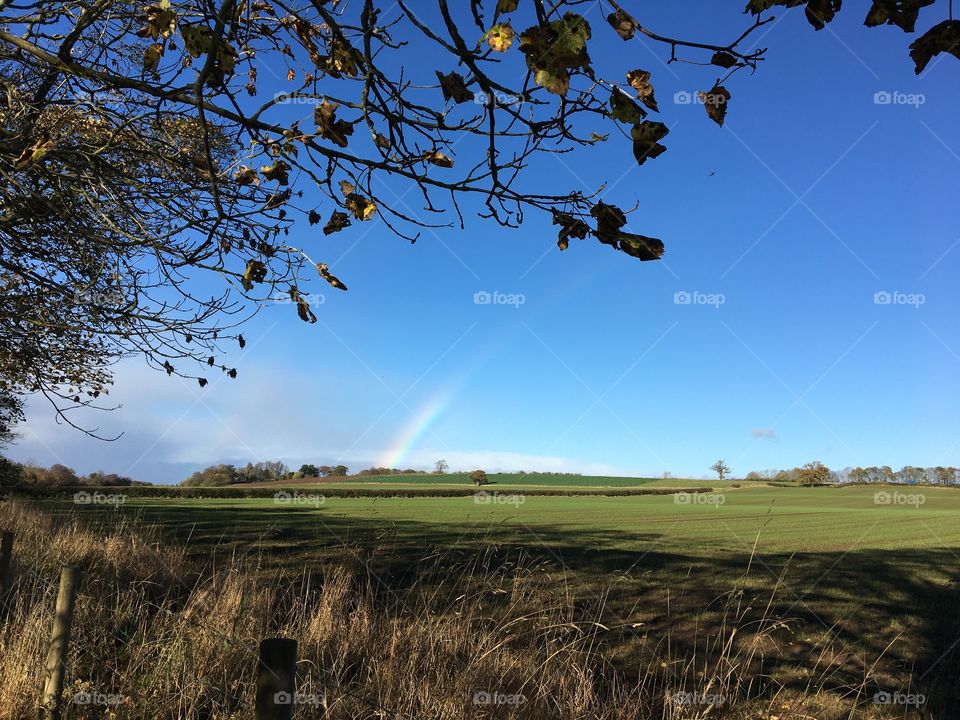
x,y
157,637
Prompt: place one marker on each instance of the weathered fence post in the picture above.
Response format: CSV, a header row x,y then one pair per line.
x,y
59,642
276,679
6,576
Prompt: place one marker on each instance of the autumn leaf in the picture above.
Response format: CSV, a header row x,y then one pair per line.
x,y
570,226
499,37
246,176
902,13
202,382
160,21
554,49
610,219
623,23
34,153
344,58
646,140
506,6
641,247
325,116
279,171
255,272
332,279
454,87
196,39
640,81
151,57
716,102
723,59
303,309
381,141
241,341
944,37
361,208
347,187
438,158
624,109
313,217
337,222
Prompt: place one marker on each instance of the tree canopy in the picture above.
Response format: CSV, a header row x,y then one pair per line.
x,y
150,175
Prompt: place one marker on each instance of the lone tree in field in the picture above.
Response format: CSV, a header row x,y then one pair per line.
x,y
721,469
479,477
154,158
441,467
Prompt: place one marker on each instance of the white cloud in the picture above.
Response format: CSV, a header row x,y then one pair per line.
x,y
765,433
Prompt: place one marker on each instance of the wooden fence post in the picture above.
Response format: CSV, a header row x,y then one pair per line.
x,y
6,576
276,679
59,642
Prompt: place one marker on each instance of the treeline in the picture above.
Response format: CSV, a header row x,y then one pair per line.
x,y
267,471
14,474
816,472
390,471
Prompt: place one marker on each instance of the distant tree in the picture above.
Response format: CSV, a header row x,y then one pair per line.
x,y
911,475
441,467
340,471
945,475
813,472
307,470
479,477
721,469
859,475
753,475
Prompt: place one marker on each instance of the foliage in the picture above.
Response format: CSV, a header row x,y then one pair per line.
x,y
142,155
479,477
721,469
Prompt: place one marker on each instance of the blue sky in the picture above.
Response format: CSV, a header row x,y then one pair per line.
x,y
821,199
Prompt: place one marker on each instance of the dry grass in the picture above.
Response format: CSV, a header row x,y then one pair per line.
x,y
169,640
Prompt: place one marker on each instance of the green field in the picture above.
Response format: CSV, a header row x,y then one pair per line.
x,y
858,588
501,480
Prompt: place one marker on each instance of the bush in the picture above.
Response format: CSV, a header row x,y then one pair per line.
x,y
479,477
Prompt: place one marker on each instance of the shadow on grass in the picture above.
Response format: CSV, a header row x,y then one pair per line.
x,y
899,605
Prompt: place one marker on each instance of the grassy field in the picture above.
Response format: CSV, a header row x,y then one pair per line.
x,y
832,593
501,480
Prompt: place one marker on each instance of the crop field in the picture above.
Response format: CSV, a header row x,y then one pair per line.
x,y
850,592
